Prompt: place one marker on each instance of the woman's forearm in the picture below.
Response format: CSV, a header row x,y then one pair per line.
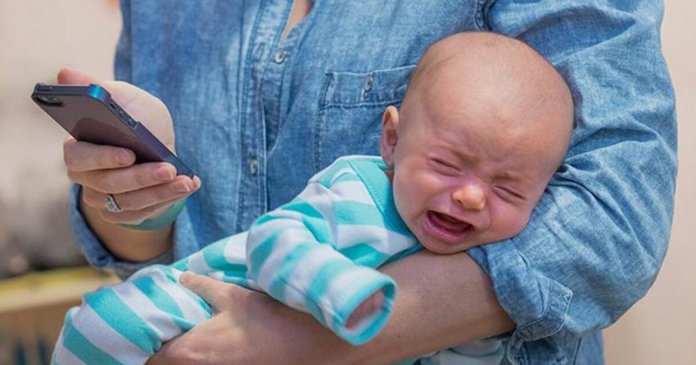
x,y
443,301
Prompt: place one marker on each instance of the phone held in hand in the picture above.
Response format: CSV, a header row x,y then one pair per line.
x,y
89,114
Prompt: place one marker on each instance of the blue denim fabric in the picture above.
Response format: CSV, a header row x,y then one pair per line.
x,y
256,116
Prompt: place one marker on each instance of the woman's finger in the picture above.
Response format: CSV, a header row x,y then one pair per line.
x,y
73,76
134,217
177,189
133,178
84,156
144,198
214,292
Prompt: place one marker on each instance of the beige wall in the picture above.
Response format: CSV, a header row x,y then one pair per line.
x,y
38,37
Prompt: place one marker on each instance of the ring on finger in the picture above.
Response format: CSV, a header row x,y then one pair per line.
x,y
111,205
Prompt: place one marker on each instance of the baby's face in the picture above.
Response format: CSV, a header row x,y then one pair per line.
x,y
469,173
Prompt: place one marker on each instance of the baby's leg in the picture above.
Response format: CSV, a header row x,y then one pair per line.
x,y
127,323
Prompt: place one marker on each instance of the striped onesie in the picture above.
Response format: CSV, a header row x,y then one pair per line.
x,y
317,254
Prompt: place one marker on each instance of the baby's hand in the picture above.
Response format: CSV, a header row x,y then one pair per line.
x,y
371,305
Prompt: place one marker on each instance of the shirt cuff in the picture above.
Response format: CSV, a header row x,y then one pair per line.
x,y
536,303
94,251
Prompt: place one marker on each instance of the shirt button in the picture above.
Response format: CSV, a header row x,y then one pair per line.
x,y
367,86
279,56
254,166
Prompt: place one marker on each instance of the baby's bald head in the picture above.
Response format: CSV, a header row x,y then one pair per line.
x,y
503,75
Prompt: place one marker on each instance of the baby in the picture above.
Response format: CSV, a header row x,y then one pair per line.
x,y
485,123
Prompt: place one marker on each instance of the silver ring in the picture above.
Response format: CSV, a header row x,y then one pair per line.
x,y
111,205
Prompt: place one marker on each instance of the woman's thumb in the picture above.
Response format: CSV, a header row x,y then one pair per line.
x,y
73,76
210,290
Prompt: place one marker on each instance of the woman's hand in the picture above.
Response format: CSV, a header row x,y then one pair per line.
x,y
143,191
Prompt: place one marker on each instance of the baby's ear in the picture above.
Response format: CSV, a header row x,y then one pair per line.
x,y
389,137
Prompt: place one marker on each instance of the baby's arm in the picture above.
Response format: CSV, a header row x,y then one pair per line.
x,y
304,254
291,263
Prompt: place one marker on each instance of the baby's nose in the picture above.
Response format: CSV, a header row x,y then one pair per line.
x,y
471,196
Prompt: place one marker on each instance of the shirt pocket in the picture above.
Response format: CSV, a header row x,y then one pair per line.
x,y
351,105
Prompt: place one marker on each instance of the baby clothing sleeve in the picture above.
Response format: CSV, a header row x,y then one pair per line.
x,y
317,253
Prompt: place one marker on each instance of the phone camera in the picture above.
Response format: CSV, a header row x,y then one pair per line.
x,y
49,100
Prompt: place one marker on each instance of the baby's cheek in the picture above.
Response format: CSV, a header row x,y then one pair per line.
x,y
400,197
510,222
408,196
521,223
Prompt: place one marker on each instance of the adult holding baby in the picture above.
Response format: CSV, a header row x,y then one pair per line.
x,y
257,111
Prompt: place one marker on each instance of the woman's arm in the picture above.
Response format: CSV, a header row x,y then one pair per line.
x,y
598,237
433,310
143,191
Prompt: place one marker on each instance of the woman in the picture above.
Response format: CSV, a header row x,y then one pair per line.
x,y
263,95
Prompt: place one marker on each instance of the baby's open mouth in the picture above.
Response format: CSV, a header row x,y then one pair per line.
x,y
448,225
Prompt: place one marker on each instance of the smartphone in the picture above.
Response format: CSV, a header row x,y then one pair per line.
x,y
89,114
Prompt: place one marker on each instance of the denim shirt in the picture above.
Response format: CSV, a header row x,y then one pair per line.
x,y
257,114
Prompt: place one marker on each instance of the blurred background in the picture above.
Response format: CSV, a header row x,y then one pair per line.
x,y
42,272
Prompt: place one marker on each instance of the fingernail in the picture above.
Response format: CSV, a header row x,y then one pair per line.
x,y
184,277
164,173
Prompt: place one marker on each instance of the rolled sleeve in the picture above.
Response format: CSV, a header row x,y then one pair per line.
x,y
537,304
94,251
